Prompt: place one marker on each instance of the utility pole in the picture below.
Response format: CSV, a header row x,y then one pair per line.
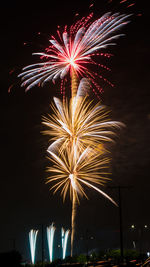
x,y
120,222
86,238
119,188
13,243
140,231
42,228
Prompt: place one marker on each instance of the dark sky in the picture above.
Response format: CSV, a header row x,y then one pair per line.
x,y
25,200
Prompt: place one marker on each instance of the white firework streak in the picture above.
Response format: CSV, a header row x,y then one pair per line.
x,y
50,238
64,236
32,240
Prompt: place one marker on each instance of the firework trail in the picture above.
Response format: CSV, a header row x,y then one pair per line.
x,y
72,174
79,130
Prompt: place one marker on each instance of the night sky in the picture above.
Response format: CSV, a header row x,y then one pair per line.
x,y
25,200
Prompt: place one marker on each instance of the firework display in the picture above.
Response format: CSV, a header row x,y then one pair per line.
x,y
32,240
64,238
79,129
75,50
79,123
50,238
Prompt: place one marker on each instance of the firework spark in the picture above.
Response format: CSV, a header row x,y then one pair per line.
x,y
74,50
64,238
80,124
50,238
71,173
70,177
32,240
79,130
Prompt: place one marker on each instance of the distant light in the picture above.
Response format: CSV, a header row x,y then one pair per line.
x,y
58,246
148,254
145,226
134,245
132,226
92,237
